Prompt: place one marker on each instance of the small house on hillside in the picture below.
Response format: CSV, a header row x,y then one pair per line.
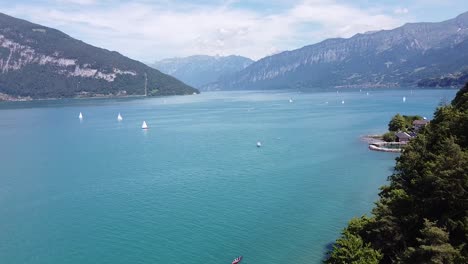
x,y
418,124
402,137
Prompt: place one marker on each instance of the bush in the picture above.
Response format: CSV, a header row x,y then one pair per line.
x,y
397,123
389,137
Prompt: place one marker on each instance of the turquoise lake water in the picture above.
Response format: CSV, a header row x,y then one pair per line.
x,y
194,188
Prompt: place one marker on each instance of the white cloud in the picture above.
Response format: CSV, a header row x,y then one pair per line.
x,y
78,2
147,31
401,10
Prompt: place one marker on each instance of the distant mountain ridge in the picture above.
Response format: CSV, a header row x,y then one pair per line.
x,y
41,62
398,57
200,70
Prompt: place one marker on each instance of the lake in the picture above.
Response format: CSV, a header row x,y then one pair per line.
x,y
193,188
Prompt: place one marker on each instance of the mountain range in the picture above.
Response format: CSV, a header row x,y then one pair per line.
x,y
201,70
41,62
403,56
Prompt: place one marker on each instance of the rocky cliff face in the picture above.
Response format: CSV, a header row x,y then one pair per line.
x,y
19,56
41,62
384,58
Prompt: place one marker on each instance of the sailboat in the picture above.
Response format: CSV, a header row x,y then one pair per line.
x,y
290,100
80,116
119,117
259,144
342,102
367,93
404,99
144,125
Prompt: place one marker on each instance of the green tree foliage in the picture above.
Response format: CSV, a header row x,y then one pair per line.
x,y
434,247
397,123
351,248
421,216
402,123
389,136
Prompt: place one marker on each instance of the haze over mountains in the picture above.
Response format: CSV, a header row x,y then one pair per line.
x,y
387,58
200,70
41,62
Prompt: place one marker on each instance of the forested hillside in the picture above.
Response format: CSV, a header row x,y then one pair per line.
x,y
42,62
387,58
421,216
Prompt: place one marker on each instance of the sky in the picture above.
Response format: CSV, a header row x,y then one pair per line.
x,y
149,30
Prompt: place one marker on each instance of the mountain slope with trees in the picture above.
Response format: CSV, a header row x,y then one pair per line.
x,y
399,57
422,214
42,62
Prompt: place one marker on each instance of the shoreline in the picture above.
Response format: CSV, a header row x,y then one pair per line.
x,y
8,98
371,139
376,143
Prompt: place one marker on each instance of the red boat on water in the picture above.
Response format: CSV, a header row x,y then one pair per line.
x,y
237,260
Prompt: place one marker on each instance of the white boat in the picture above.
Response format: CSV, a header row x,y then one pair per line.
x,y
259,144
404,99
237,260
119,117
367,93
80,116
290,100
342,102
144,125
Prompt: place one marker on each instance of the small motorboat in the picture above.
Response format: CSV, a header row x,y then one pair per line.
x,y
237,260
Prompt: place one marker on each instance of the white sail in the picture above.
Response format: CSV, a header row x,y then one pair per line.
x,y
119,117
404,99
259,144
290,100
144,125
342,102
80,116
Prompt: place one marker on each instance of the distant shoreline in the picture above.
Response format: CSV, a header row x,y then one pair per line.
x,y
8,98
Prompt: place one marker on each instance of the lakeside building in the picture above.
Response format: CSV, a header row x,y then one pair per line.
x,y
418,124
403,137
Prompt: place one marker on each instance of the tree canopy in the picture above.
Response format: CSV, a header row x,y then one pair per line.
x,y
421,216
